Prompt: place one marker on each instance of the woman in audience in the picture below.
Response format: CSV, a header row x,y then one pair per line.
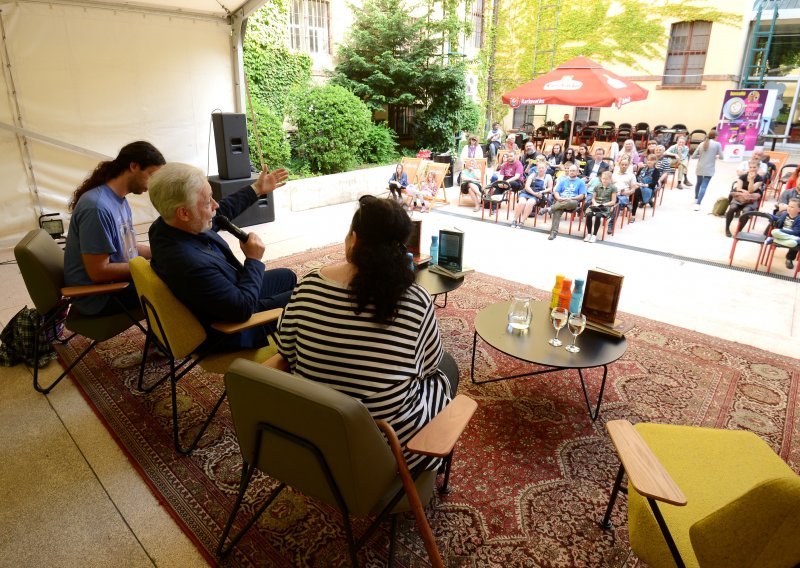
x,y
536,192
648,181
554,159
398,182
470,183
472,150
679,153
582,157
570,156
365,328
706,154
602,205
628,151
745,196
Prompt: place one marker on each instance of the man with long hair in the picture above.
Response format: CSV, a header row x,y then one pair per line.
x,y
101,238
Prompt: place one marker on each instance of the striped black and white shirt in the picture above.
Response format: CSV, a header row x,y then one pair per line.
x,y
393,369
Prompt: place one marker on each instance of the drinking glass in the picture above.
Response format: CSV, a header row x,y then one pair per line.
x,y
576,324
519,313
559,318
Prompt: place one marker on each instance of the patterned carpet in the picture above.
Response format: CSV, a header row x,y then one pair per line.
x,y
531,475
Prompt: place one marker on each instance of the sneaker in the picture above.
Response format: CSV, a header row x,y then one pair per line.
x,y
551,237
476,209
697,207
789,264
688,183
768,241
587,238
633,220
593,239
728,233
513,224
680,185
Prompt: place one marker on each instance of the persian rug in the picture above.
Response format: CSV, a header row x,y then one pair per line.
x,y
532,473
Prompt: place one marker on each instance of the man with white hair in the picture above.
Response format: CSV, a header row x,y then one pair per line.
x,y
199,266
758,153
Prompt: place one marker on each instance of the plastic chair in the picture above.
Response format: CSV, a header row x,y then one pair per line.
x,y
756,237
41,263
705,497
696,138
324,444
181,338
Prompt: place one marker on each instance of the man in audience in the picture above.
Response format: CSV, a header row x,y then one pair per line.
x,y
568,195
679,153
787,231
101,238
758,154
495,139
199,266
596,166
528,159
564,128
510,172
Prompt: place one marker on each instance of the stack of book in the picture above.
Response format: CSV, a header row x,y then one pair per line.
x,y
600,300
449,273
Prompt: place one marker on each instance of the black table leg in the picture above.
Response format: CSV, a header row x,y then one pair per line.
x,y
472,366
594,415
440,305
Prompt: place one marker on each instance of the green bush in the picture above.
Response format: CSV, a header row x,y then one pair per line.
x,y
470,116
380,145
274,145
332,124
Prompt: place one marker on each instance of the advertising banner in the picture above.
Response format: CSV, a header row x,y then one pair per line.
x,y
740,118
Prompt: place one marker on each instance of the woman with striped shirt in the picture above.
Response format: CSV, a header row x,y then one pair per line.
x,y
365,328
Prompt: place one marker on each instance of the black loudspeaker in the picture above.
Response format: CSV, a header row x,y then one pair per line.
x,y
262,211
230,137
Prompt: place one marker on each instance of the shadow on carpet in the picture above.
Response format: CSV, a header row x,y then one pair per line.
x,y
531,475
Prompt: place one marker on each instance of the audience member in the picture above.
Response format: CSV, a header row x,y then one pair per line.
x,y
495,139
564,128
745,197
510,171
471,183
582,157
758,154
602,205
707,154
679,152
472,149
790,192
629,151
199,266
378,339
663,163
538,187
101,238
625,181
569,194
647,182
419,196
398,182
596,166
554,159
787,230
529,158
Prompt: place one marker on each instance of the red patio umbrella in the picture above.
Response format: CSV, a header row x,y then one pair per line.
x,y
578,82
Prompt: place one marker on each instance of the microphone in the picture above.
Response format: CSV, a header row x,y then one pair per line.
x,y
225,224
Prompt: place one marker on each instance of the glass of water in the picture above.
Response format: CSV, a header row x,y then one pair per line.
x,y
519,313
576,324
559,318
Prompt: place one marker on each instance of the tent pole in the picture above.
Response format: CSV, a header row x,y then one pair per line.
x,y
238,23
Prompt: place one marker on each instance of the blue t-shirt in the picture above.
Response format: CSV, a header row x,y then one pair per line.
x,y
101,223
569,188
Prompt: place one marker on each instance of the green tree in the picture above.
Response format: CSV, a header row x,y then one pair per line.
x,y
393,60
332,124
608,31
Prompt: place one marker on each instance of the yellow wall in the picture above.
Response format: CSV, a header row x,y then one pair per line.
x,y
696,108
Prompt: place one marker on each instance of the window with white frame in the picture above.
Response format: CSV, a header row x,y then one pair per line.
x,y
686,54
309,26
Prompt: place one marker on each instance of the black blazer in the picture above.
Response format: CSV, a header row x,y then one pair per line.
x,y
587,171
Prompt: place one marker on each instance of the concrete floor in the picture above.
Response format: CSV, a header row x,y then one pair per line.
x,y
70,498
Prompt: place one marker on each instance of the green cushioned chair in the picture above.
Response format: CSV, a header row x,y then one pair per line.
x,y
181,337
324,444
41,263
729,499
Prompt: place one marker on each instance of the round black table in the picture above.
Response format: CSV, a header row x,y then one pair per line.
x,y
775,138
437,284
597,349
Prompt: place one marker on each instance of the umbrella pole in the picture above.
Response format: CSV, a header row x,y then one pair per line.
x,y
572,126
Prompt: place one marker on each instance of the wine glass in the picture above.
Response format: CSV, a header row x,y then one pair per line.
x,y
559,318
576,324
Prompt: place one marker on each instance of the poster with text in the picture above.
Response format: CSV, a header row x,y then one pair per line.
x,y
740,118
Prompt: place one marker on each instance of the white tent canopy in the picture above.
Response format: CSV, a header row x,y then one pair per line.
x,y
83,78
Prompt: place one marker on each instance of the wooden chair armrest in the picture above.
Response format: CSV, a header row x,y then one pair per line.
x,y
644,470
93,289
257,319
438,436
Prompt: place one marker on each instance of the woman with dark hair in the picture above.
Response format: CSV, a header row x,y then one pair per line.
x,y
364,327
554,160
398,182
569,155
582,157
